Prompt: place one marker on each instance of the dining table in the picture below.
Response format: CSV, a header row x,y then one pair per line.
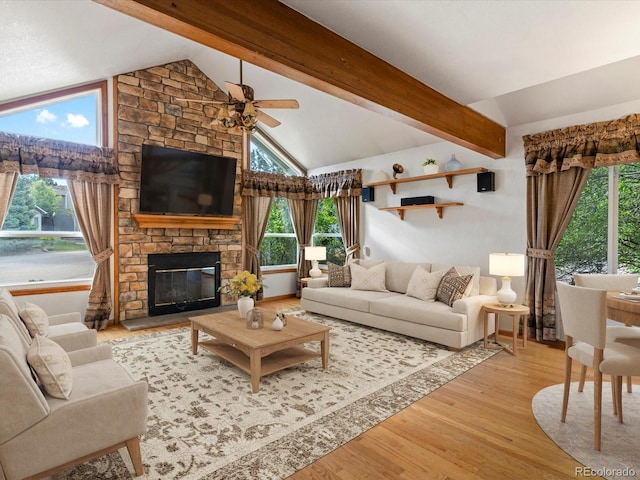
x,y
624,308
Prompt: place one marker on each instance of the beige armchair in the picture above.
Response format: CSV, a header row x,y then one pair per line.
x,y
92,408
65,329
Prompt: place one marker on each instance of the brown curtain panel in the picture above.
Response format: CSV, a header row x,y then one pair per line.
x,y
557,165
348,211
255,215
8,183
303,213
92,203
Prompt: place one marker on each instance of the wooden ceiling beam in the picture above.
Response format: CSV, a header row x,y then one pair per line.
x,y
275,37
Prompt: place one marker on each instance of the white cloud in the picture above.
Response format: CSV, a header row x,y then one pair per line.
x,y
45,116
76,121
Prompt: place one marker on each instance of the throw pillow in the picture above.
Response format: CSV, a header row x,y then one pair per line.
x,y
452,286
52,366
35,319
423,284
339,276
372,278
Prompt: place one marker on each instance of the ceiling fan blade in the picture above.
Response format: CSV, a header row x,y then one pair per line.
x,y
276,104
235,91
268,120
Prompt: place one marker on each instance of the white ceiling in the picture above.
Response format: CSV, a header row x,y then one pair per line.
x,y
514,61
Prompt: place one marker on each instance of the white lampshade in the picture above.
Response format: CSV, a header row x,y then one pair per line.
x,y
314,254
506,265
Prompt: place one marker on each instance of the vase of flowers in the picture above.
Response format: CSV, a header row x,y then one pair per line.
x,y
245,285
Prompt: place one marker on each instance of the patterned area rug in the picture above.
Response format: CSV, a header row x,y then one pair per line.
x,y
619,457
204,422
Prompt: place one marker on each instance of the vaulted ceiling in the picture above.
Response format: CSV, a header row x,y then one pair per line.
x,y
513,62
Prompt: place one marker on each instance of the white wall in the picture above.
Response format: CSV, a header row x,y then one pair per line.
x,y
487,222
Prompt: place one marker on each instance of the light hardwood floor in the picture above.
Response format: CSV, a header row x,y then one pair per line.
x,y
478,426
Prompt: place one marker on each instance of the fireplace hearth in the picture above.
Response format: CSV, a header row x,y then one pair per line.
x,y
181,282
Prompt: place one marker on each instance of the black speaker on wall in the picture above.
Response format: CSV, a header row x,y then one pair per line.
x,y
368,194
486,182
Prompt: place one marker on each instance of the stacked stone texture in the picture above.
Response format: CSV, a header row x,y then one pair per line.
x,y
148,112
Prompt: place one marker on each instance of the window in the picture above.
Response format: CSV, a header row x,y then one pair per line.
x,y
279,246
327,232
40,240
603,235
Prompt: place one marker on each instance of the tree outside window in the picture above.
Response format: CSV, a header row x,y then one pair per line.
x,y
603,235
327,232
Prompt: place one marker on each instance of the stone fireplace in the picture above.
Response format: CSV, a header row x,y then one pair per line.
x,y
148,112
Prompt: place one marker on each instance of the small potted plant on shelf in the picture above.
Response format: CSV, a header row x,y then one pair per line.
x,y
430,166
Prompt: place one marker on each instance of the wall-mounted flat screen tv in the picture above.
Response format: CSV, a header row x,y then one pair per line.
x,y
177,182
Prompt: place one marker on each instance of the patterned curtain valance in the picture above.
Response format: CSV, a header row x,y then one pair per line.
x,y
599,144
336,184
265,184
345,183
57,159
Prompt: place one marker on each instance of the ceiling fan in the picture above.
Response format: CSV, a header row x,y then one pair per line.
x,y
241,110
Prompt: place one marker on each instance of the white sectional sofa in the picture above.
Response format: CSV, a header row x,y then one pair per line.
x,y
455,326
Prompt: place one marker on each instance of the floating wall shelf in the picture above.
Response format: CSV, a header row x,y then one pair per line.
x,y
448,176
437,206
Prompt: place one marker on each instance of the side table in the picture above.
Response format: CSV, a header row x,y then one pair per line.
x,y
516,312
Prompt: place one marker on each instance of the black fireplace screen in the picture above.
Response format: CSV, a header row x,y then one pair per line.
x,y
183,281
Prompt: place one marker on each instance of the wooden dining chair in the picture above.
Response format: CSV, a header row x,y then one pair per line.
x,y
611,282
583,312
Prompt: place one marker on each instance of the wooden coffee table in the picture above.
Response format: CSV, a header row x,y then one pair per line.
x,y
262,351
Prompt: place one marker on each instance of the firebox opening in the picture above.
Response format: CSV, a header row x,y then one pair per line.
x,y
181,282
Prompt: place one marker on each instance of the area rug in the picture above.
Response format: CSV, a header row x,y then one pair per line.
x,y
204,422
620,454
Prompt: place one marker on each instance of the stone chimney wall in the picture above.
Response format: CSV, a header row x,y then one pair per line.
x,y
148,113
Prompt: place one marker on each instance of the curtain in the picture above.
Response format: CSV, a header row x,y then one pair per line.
x,y
57,159
8,182
303,213
92,203
557,165
255,215
327,185
348,211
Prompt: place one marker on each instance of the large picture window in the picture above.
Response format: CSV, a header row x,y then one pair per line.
x,y
327,232
40,240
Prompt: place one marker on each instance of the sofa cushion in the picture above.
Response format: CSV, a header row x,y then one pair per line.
x,y
344,297
52,366
434,314
339,275
452,286
474,287
398,274
372,278
35,318
424,284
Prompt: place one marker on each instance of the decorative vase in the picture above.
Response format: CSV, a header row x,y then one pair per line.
x,y
431,169
453,164
244,305
254,319
380,176
277,323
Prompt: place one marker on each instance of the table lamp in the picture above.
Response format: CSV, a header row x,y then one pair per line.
x,y
506,265
314,254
